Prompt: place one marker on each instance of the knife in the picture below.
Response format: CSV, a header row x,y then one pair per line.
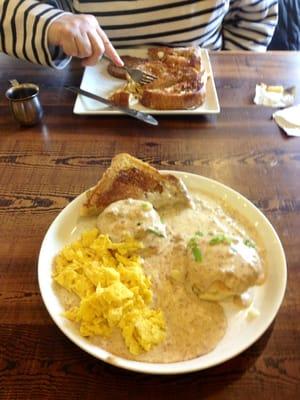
x,y
133,113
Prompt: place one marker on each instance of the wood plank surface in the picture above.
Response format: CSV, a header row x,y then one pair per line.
x,y
43,168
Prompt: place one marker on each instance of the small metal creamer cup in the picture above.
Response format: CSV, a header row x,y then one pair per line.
x,y
24,103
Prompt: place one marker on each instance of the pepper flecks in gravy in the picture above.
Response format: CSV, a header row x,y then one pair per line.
x,y
195,258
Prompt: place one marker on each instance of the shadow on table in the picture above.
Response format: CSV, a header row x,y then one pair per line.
x,y
202,384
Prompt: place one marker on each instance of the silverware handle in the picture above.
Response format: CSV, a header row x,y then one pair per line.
x,y
14,82
88,94
106,58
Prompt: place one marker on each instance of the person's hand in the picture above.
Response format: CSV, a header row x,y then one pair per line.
x,y
81,36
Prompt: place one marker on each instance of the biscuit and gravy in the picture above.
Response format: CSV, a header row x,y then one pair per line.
x,y
147,281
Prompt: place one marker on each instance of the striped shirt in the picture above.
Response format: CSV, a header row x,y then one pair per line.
x,y
213,24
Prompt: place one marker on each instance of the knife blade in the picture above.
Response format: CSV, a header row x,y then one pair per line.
x,y
133,113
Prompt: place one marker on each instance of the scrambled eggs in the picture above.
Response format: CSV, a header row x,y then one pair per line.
x,y
113,290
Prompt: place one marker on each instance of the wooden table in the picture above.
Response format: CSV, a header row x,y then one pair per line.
x,y
43,168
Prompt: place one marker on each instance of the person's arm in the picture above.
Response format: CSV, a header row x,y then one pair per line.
x,y
249,24
24,28
39,32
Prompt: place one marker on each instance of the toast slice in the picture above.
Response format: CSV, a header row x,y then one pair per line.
x,y
129,177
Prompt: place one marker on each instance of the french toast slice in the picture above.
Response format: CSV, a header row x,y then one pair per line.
x,y
184,89
129,177
121,98
177,57
180,83
174,99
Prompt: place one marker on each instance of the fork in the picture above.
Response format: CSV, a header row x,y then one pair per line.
x,y
136,74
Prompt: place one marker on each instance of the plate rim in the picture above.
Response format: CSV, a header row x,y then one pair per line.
x,y
77,109
163,368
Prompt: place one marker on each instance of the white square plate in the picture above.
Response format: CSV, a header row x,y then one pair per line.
x,y
98,81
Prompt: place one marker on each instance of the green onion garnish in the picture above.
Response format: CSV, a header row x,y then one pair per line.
x,y
146,206
248,243
196,251
219,239
197,254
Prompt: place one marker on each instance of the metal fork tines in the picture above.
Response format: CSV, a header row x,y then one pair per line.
x,y
140,76
136,74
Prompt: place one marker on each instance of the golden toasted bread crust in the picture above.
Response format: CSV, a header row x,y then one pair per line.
x,y
180,56
159,100
121,98
128,177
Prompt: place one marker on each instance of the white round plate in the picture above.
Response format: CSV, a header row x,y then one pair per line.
x,y
241,333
